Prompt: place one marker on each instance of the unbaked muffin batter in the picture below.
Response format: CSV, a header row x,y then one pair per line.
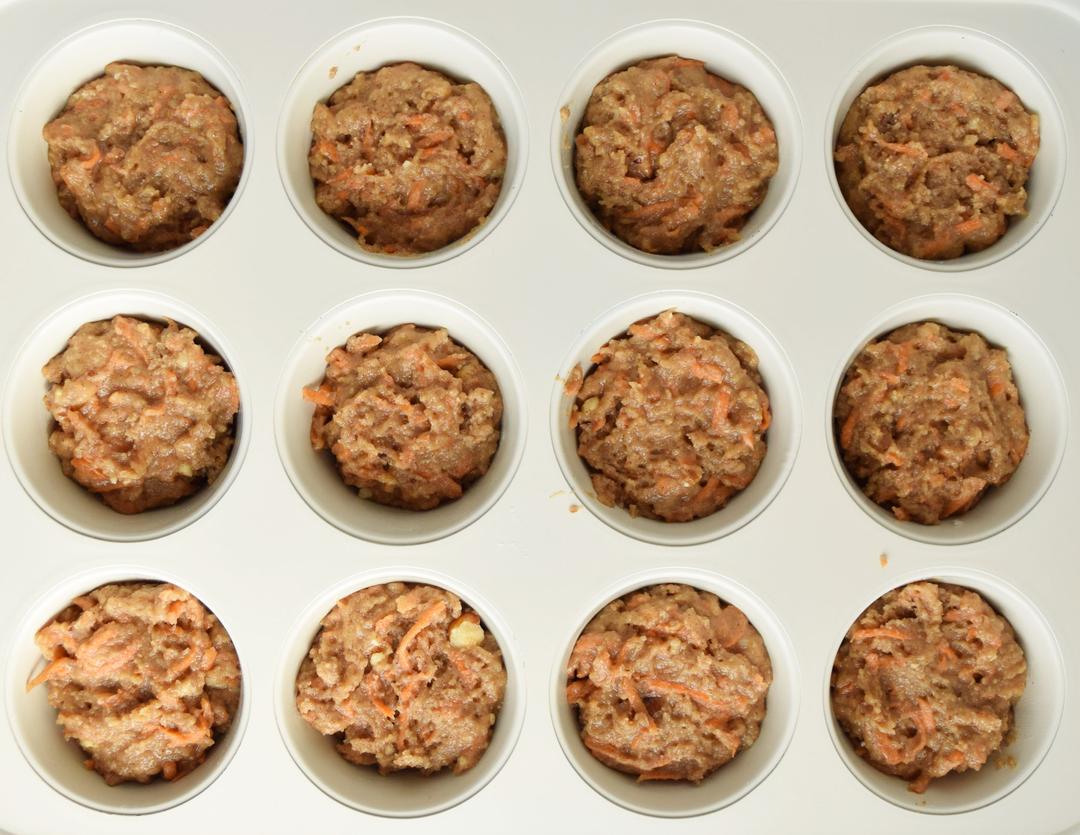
x,y
411,417
933,160
144,677
671,420
143,415
404,676
925,682
928,419
410,160
668,683
671,158
146,157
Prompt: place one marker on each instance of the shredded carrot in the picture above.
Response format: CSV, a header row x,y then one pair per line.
x,y
47,673
661,774
889,752
1006,98
630,694
879,632
415,200
658,685
434,138
1007,151
319,396
427,617
729,116
721,406
966,227
93,159
383,708
977,183
847,430
328,150
902,148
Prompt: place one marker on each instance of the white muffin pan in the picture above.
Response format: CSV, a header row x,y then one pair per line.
x,y
537,289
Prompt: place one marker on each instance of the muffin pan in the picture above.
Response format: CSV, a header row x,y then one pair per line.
x,y
536,289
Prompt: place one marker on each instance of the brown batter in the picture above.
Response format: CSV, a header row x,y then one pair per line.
x,y
146,157
671,158
405,677
933,160
926,680
144,677
671,420
411,417
669,683
928,419
142,414
410,160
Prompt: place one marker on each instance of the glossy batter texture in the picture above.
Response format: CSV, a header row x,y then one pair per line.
x,y
928,419
671,419
671,158
144,678
410,160
404,677
146,157
926,680
143,416
934,160
411,417
669,683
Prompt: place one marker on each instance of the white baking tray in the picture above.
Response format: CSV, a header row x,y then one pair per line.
x,y
800,552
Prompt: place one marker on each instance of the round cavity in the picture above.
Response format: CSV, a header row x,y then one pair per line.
x,y
27,423
782,437
986,55
60,762
1042,394
82,57
314,474
401,794
367,47
731,781
725,54
1037,714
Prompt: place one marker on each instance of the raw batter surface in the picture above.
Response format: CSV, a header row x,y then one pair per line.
x,y
668,683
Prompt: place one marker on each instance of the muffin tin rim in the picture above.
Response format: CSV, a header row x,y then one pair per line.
x,y
511,185
103,574
241,108
243,421
701,579
323,603
914,531
616,518
973,579
995,253
566,183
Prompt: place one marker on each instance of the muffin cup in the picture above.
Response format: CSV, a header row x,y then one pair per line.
x,y
976,51
782,437
725,54
1042,394
367,47
1037,714
59,762
27,423
400,794
314,474
731,781
82,57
